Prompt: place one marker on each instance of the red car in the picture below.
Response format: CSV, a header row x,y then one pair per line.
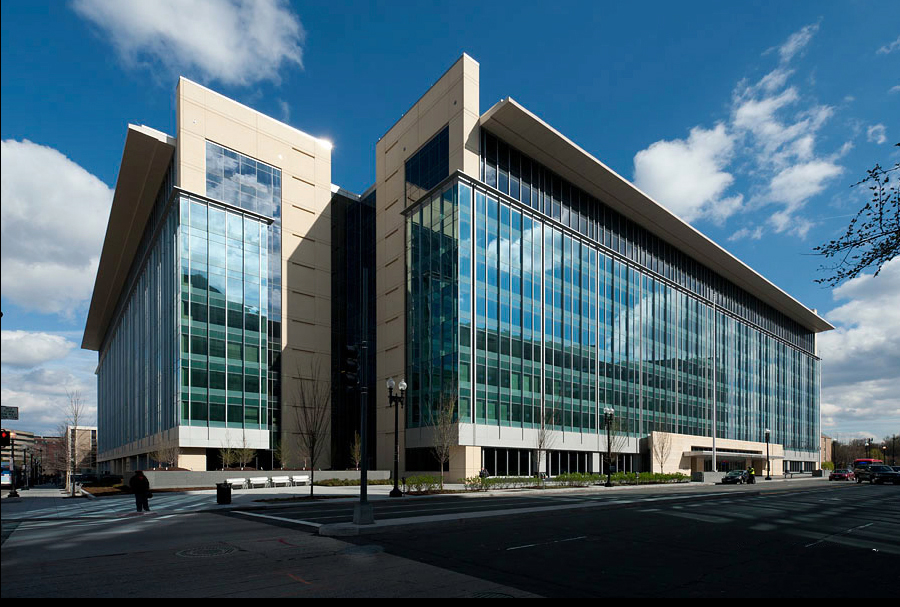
x,y
841,475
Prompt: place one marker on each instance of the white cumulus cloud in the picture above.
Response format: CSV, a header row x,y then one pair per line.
x,y
52,229
861,357
876,134
236,42
30,349
687,176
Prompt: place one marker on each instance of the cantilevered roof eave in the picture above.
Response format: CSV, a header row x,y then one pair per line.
x,y
145,160
522,129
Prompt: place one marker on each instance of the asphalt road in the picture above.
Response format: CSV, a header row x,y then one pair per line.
x,y
790,539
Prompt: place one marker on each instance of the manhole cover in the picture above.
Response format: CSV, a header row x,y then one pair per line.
x,y
206,552
491,595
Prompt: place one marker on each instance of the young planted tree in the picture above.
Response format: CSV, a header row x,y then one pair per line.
x,y
662,447
545,438
244,454
311,406
228,455
167,455
445,434
356,450
73,413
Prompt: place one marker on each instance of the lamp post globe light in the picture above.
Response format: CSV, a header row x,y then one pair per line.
x,y
608,414
396,401
768,463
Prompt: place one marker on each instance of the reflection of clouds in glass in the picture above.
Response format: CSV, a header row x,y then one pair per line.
x,y
242,181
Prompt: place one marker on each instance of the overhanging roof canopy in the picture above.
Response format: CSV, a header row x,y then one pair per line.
x,y
525,131
145,160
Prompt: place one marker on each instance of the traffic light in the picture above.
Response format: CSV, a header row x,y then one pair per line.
x,y
351,366
4,438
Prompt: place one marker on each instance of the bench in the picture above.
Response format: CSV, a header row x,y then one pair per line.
x,y
300,480
281,480
240,482
259,480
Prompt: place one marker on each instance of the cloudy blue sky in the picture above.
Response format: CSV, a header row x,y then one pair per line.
x,y
751,121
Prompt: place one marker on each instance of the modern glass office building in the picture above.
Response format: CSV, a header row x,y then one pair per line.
x,y
493,264
191,338
542,288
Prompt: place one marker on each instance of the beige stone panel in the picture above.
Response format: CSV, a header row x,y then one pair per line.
x,y
193,155
308,336
300,275
471,155
323,198
323,149
191,90
193,179
296,362
301,306
394,278
275,152
298,220
435,119
304,166
465,462
299,192
232,109
192,118
192,459
323,254
231,134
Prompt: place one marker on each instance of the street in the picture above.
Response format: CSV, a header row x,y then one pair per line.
x,y
778,539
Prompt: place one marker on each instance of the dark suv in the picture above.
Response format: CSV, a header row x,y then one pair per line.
x,y
877,474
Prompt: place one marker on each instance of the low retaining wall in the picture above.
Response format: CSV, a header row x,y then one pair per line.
x,y
707,477
185,479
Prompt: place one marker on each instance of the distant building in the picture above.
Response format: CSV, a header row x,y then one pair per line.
x,y
81,449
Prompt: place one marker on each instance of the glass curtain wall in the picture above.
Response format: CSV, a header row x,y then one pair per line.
x,y
223,319
136,373
549,324
255,186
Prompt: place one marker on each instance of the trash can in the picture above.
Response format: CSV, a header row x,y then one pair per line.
x,y
223,493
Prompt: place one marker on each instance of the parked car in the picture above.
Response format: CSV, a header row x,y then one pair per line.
x,y
841,475
879,474
736,477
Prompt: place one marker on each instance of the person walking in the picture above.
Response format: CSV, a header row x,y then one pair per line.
x,y
140,485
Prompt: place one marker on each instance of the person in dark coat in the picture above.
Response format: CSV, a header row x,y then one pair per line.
x,y
140,485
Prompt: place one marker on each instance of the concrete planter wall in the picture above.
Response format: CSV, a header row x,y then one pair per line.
x,y
184,479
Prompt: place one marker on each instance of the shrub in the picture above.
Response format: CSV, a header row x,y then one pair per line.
x,y
423,483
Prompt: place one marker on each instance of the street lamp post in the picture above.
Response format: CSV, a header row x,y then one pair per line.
x,y
768,464
608,414
396,402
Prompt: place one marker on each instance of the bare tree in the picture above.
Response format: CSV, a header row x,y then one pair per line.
x,y
167,455
445,436
311,406
546,437
356,450
228,455
244,453
662,447
73,413
873,236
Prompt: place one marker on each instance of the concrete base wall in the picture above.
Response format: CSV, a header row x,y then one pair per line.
x,y
707,477
183,479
